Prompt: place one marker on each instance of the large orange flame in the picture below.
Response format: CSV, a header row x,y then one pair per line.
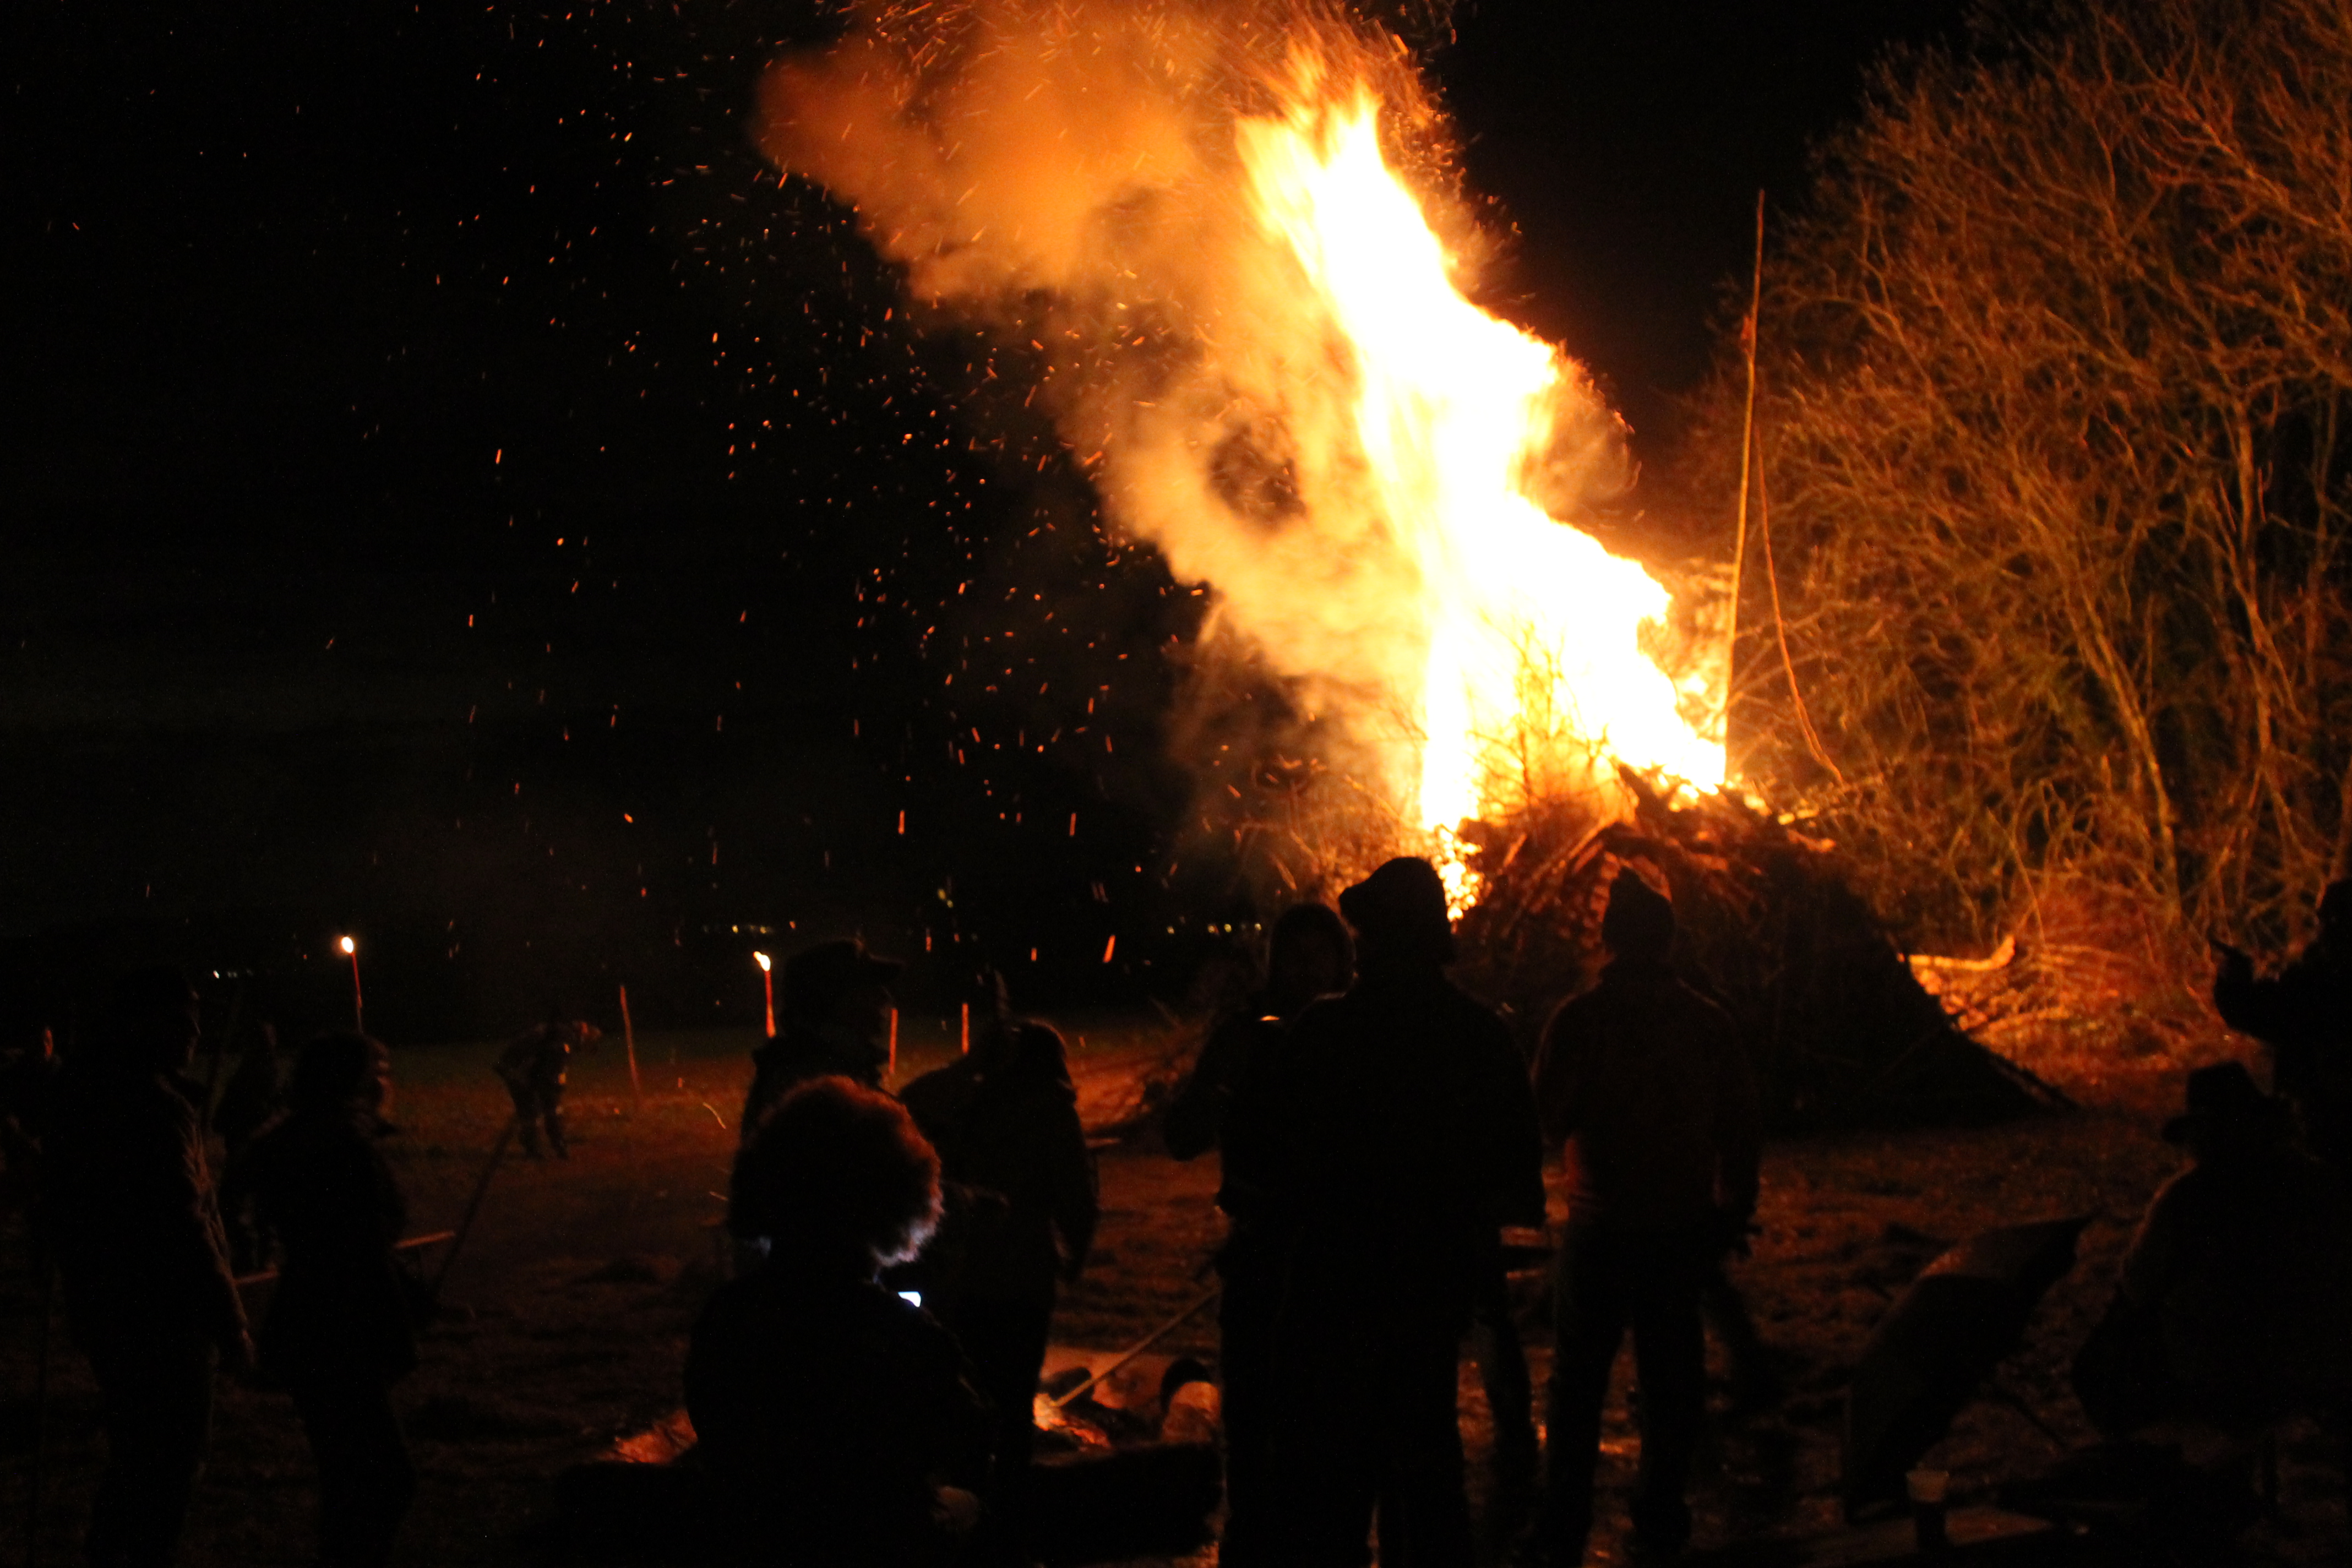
x,y
1520,610
1250,323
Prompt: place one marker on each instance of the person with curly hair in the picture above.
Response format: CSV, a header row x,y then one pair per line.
x,y
839,1424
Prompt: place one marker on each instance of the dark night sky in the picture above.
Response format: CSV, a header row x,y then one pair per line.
x,y
430,515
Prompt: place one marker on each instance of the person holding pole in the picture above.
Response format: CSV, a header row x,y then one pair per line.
x,y
342,1327
127,1214
536,1067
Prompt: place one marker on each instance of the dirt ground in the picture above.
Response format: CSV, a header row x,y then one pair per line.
x,y
568,1312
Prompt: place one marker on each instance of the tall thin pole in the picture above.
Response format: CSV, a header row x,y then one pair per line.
x,y
629,1038
40,1411
1747,334
359,1016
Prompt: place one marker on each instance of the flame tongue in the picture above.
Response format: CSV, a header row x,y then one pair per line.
x,y
1526,622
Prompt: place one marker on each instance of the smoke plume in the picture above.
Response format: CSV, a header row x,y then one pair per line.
x,y
1067,174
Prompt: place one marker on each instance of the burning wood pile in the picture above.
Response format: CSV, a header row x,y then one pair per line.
x,y
1840,1028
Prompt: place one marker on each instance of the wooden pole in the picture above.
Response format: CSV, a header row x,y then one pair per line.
x,y
41,1415
629,1038
474,1203
406,1244
1137,1349
1747,335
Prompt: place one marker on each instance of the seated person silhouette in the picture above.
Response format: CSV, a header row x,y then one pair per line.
x,y
838,1423
2234,1308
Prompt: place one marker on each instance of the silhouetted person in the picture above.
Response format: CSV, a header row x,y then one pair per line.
x,y
2304,1015
1018,1139
937,1099
830,1412
1309,955
832,1023
126,1212
1644,1083
1379,1145
536,1067
2234,1306
251,1099
341,1327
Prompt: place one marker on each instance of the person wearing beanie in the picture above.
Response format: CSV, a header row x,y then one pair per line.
x,y
2303,1016
1379,1145
832,1020
1645,1084
342,1325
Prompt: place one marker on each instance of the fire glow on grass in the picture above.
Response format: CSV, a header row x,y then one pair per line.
x,y
1453,404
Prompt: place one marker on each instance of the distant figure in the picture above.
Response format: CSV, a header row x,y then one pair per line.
x,y
2304,1015
341,1327
835,1018
839,1423
252,1097
536,1068
1018,1138
127,1214
2234,1307
1379,1146
1309,955
1644,1083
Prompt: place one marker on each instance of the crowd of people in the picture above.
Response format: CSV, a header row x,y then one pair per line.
x,y
127,1212
863,1387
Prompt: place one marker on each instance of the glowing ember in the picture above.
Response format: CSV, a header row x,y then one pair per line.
x,y
1520,612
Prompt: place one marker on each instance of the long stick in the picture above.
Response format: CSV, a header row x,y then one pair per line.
x,y
474,1203
1750,332
629,1038
40,1419
1145,1343
406,1244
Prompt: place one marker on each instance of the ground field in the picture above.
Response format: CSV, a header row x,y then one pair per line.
x,y
570,1308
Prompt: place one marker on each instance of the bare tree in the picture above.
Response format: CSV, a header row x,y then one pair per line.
x,y
2054,469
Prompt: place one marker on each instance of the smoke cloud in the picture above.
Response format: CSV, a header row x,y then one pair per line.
x,y
1067,176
